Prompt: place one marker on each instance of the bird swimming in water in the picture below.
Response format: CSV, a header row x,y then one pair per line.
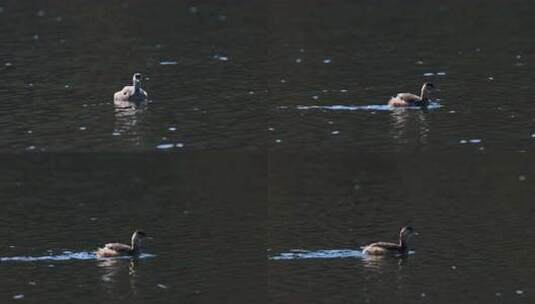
x,y
133,93
385,248
119,249
411,100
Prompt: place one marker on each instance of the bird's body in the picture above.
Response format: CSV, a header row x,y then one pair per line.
x,y
133,93
412,100
386,248
120,249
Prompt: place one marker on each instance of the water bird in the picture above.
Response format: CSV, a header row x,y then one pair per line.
x,y
386,248
411,100
133,93
119,249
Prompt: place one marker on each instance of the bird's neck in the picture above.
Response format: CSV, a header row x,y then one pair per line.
x,y
403,243
424,95
137,87
136,245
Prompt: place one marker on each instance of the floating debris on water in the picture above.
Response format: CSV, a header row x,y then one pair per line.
x,y
172,129
519,292
315,97
429,74
30,148
168,62
8,64
162,286
271,129
441,73
335,132
327,60
278,140
82,128
18,297
116,134
179,145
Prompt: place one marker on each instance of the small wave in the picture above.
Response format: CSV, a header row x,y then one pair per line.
x,y
433,105
64,256
319,254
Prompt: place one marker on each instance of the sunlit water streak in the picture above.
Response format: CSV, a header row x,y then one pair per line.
x,y
66,256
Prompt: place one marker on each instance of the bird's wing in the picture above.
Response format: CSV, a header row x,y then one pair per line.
x,y
118,247
386,245
408,97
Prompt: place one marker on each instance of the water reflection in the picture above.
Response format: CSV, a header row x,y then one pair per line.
x,y
117,271
127,118
380,263
402,121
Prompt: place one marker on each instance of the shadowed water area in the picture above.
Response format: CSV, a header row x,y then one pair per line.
x,y
288,158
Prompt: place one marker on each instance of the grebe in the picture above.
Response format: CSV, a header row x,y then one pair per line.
x,y
119,249
133,93
408,99
385,248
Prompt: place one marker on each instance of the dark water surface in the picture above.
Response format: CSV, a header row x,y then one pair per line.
x,y
243,67
285,148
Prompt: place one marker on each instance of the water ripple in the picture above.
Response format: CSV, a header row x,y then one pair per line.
x,y
65,256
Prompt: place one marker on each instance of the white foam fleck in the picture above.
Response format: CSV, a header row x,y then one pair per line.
x,y
298,60
172,129
336,132
327,60
168,62
164,146
179,145
429,74
18,297
82,128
